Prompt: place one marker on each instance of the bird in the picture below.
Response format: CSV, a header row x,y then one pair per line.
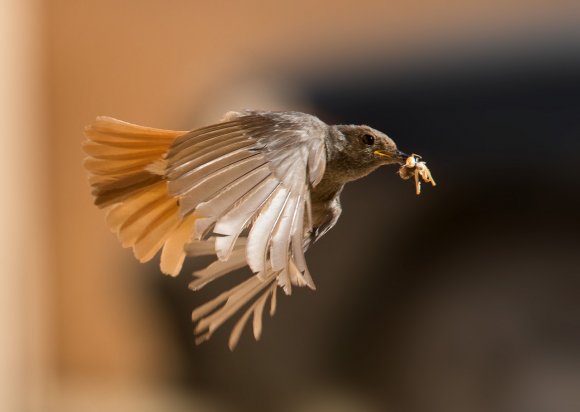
x,y
255,190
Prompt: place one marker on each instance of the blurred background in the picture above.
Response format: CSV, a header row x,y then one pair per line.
x,y
463,299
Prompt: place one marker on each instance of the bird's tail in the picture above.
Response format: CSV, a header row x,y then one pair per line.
x,y
126,164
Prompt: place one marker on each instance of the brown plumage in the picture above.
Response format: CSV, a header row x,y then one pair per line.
x,y
140,210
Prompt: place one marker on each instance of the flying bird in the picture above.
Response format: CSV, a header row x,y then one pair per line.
x,y
257,190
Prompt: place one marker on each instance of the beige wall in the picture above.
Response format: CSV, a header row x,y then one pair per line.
x,y
24,301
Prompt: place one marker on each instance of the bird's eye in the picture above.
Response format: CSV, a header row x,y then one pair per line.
x,y
368,139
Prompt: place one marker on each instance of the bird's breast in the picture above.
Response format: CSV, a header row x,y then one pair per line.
x,y
326,208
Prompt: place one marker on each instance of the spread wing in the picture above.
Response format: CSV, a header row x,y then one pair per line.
x,y
248,180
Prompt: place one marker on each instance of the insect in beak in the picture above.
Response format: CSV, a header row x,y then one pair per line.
x,y
414,166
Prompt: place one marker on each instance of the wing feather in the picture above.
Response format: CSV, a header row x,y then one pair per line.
x,y
193,193
217,168
281,237
233,222
219,268
218,205
247,180
258,311
194,137
261,231
316,163
207,146
235,301
200,160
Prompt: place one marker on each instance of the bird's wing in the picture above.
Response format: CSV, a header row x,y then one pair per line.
x,y
248,181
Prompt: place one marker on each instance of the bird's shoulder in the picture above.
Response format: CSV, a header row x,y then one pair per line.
x,y
282,121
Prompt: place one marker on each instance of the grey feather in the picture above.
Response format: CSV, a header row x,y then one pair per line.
x,y
218,269
199,149
195,136
208,156
281,237
233,222
235,301
210,186
212,169
231,194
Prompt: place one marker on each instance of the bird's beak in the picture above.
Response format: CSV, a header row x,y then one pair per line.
x,y
401,157
397,155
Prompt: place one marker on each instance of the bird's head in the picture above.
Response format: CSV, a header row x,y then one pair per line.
x,y
361,149
369,146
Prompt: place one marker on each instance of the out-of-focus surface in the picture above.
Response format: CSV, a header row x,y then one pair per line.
x,y
24,260
463,299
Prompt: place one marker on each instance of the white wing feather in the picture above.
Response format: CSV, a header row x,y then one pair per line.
x,y
261,231
248,181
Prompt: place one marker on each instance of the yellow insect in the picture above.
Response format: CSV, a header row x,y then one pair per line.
x,y
415,167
